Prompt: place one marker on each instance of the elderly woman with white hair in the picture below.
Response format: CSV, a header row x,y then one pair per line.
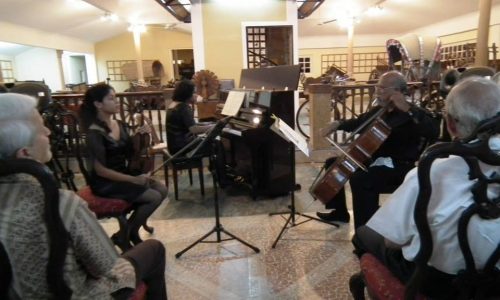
x,y
91,266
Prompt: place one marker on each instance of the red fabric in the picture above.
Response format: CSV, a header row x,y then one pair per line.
x,y
103,207
380,282
140,292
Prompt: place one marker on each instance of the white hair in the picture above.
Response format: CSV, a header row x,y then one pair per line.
x,y
471,101
16,124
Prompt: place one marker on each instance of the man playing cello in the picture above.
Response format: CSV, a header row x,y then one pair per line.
x,y
411,128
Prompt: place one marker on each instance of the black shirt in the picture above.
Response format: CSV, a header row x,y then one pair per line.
x,y
112,154
179,119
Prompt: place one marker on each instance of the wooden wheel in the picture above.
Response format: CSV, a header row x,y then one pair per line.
x,y
206,83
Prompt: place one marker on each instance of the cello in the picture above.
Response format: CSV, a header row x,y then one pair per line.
x,y
145,143
330,181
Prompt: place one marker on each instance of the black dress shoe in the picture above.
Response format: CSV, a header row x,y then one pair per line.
x,y
334,216
120,242
135,239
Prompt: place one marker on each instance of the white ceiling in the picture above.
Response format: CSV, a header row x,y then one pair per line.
x,y
81,19
397,17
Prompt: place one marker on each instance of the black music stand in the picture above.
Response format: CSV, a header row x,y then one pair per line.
x,y
218,228
290,221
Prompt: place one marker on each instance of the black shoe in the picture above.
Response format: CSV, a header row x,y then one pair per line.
x,y
230,179
334,216
135,239
357,286
120,242
149,229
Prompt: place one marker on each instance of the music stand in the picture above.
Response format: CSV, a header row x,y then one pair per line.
x,y
290,221
218,228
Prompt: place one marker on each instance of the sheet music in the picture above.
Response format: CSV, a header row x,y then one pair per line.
x,y
233,103
291,135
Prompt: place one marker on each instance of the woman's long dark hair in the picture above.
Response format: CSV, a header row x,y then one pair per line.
x,y
88,111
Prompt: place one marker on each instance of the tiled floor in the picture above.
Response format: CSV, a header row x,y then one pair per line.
x,y
312,261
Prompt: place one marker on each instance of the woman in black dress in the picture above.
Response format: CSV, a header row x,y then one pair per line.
x,y
109,149
182,129
181,126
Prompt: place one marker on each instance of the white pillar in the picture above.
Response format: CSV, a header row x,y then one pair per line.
x,y
350,55
138,53
60,66
197,35
483,28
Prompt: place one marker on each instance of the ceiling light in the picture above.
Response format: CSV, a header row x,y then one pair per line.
x,y
140,28
347,13
109,17
375,11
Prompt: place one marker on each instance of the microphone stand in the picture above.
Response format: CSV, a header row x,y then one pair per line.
x,y
293,214
218,228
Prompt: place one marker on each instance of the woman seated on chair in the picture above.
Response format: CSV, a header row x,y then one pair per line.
x,y
181,126
109,148
67,255
182,129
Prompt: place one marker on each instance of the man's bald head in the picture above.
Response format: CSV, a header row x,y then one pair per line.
x,y
471,101
389,84
395,80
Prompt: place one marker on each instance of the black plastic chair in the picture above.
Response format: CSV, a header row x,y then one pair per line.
x,y
5,273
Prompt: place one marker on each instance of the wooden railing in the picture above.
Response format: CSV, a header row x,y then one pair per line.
x,y
150,103
348,101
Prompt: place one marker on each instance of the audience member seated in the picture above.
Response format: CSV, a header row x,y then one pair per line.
x,y
109,149
90,265
391,234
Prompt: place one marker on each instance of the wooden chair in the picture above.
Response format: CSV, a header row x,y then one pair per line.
x,y
51,194
183,163
469,283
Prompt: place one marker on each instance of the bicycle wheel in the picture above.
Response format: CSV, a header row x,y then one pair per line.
x,y
302,119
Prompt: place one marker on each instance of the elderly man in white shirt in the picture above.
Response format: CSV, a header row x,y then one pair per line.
x,y
391,234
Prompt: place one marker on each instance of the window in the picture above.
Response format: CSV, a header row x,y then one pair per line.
x,y
269,46
115,72
458,55
362,62
305,64
256,46
6,71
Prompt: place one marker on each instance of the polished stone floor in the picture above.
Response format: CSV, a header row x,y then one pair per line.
x,y
311,261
